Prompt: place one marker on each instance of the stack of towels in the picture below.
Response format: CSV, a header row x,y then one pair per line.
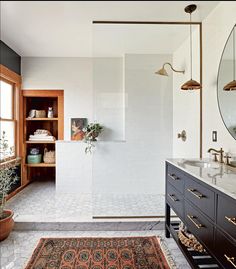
x,y
41,135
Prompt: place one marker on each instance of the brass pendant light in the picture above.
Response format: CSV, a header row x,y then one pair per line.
x,y
231,86
191,84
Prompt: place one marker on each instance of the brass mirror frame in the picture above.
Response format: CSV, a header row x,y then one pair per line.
x,y
217,88
200,41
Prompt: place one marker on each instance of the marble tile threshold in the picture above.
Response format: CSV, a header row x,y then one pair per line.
x,y
89,226
42,223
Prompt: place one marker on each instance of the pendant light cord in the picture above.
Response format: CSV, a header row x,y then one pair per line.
x,y
191,41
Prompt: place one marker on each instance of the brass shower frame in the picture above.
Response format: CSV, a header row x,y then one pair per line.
x,y
200,41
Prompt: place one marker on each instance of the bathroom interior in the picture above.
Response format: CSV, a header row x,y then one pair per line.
x,y
159,78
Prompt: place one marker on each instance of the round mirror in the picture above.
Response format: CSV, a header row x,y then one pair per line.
x,y
227,84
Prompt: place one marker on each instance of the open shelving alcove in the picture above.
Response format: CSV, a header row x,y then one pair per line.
x,y
41,100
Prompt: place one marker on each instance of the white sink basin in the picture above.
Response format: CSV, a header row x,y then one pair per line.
x,y
202,164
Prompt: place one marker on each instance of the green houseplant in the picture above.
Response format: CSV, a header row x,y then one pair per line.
x,y
91,132
7,179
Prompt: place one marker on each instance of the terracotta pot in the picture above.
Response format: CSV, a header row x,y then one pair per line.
x,y
6,225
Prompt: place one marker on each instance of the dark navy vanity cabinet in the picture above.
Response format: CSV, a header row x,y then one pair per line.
x,y
209,214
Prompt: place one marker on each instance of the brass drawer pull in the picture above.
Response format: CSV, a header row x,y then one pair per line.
x,y
231,220
198,225
173,176
231,260
172,197
198,195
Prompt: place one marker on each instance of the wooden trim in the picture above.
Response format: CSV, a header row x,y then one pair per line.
x,y
42,93
10,75
41,119
16,191
9,160
27,94
60,117
40,164
2,119
40,142
14,79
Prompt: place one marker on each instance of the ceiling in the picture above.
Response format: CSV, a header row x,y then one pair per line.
x,y
119,39
65,29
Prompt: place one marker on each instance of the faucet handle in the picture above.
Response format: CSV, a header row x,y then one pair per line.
x,y
227,157
215,156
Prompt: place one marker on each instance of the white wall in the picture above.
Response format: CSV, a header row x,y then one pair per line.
x,y
73,75
109,98
186,104
134,165
137,165
216,29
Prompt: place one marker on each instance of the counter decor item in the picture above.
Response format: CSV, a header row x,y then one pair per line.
x,y
50,112
40,114
35,158
49,156
32,113
7,179
34,151
92,131
77,127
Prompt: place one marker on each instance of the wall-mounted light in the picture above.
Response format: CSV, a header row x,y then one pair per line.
x,y
231,86
191,84
163,71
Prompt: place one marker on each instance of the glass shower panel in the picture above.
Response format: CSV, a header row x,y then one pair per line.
x,y
135,106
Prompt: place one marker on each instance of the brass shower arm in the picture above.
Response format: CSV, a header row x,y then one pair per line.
x,y
177,71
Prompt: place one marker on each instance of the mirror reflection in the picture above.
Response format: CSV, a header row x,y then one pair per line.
x,y
227,84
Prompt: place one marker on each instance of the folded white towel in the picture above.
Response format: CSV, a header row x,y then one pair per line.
x,y
41,137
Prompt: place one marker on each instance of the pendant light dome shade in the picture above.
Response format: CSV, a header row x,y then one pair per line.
x,y
191,84
231,86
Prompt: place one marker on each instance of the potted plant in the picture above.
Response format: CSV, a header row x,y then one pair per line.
x,y
91,132
7,179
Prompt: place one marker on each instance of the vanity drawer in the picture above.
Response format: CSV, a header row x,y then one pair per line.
x,y
175,177
226,215
199,225
225,251
175,200
201,197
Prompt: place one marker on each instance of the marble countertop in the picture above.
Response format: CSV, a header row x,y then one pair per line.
x,y
219,176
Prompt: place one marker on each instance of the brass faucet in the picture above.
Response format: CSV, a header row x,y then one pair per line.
x,y
221,152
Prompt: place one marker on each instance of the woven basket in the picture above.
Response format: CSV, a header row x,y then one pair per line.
x,y
40,114
190,241
49,156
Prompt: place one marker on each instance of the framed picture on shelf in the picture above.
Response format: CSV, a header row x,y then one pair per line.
x,y
77,125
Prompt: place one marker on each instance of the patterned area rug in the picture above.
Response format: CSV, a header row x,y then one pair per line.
x,y
99,253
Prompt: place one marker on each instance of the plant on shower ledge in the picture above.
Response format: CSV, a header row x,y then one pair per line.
x,y
91,132
7,179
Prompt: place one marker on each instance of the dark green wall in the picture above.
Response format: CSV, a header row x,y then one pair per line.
x,y
10,58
